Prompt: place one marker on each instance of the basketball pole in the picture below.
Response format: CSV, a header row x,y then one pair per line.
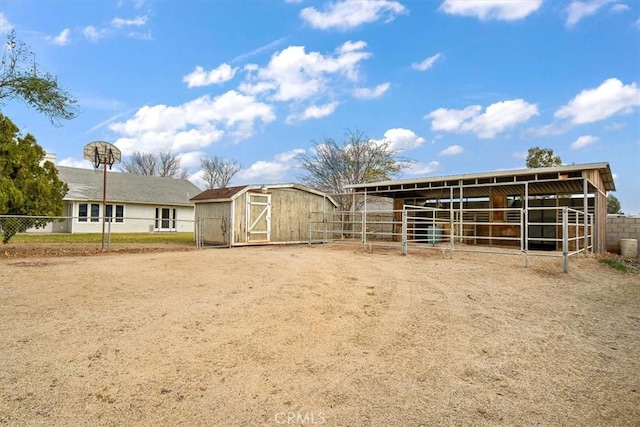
x,y
104,198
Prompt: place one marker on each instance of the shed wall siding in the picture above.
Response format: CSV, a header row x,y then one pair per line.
x,y
240,219
214,221
290,209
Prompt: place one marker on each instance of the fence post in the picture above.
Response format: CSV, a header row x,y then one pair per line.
x,y
404,232
565,239
364,229
198,232
309,230
523,236
109,236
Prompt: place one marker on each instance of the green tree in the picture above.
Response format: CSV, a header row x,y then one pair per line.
x,y
613,204
542,158
27,186
357,159
21,77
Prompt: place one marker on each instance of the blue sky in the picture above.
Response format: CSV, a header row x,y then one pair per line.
x,y
459,86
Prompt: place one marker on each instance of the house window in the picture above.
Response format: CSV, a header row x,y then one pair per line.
x,y
95,212
82,212
119,213
165,219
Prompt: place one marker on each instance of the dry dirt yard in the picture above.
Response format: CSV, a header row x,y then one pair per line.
x,y
323,335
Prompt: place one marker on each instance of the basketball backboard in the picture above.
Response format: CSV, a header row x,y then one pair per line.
x,y
102,153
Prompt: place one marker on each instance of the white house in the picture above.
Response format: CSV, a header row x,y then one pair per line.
x,y
134,203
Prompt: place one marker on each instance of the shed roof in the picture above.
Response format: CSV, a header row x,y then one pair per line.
x,y
218,193
541,181
230,193
86,184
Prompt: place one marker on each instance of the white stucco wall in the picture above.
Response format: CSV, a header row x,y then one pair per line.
x,y
137,218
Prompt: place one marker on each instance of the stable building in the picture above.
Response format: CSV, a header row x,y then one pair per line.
x,y
512,207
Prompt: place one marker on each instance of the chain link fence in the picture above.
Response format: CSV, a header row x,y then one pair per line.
x,y
103,231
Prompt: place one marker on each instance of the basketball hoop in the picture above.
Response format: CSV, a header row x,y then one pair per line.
x,y
102,153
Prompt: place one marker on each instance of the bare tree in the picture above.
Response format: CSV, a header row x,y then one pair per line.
x,y
218,171
165,164
170,166
357,159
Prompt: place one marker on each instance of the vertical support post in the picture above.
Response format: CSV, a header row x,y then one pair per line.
x,y
461,214
109,236
364,220
585,206
525,234
104,200
452,224
309,230
404,231
565,239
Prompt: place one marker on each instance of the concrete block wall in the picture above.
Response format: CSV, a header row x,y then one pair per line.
x,y
621,227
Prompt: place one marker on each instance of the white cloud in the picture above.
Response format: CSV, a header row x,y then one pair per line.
x,y
119,26
485,10
400,139
138,21
199,77
192,125
61,39
371,93
94,34
5,25
295,75
75,163
427,63
591,105
521,154
347,14
451,120
581,9
496,118
452,150
270,171
267,47
421,168
583,141
314,112
620,7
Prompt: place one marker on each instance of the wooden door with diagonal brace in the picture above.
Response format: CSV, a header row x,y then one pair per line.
x,y
258,218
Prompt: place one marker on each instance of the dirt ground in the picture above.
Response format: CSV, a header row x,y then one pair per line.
x,y
322,335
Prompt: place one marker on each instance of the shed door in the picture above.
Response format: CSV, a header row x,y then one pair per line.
x,y
258,218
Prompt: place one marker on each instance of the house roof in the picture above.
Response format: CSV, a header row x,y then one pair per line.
x,y
551,180
86,184
230,193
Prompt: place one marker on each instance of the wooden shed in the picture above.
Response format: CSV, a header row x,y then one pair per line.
x,y
258,214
